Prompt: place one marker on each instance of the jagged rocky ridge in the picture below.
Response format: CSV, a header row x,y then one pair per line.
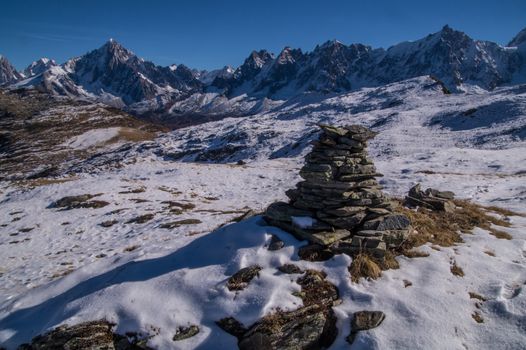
x,y
116,76
340,204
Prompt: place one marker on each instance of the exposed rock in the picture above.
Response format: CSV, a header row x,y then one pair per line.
x,y
311,327
275,243
314,252
364,320
316,290
232,326
430,199
108,223
141,219
242,278
290,269
80,201
96,335
174,224
185,332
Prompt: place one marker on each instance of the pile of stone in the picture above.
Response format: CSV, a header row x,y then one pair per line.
x,y
340,204
430,199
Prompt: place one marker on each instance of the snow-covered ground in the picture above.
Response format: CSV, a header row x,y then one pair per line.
x,y
151,279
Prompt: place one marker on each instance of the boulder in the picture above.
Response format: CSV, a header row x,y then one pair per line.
x,y
430,199
289,269
242,278
275,243
183,333
364,320
96,335
312,327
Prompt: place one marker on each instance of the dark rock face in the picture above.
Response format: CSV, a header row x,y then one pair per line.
x,y
340,205
430,199
242,278
8,73
95,335
113,68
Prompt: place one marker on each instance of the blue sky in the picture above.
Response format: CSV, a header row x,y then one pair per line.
x,y
210,34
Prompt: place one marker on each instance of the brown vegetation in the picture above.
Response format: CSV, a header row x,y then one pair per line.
x,y
364,266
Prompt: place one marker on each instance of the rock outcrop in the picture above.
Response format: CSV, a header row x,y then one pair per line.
x,y
430,199
96,335
311,326
340,204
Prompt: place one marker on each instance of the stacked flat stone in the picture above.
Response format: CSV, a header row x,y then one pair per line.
x,y
340,204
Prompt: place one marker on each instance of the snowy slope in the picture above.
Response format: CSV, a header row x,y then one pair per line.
x,y
151,279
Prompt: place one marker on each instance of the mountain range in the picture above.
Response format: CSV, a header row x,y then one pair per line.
x,y
114,75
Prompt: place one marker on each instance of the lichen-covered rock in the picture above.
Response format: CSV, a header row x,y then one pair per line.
x,y
185,332
316,290
242,278
364,320
311,327
94,335
290,269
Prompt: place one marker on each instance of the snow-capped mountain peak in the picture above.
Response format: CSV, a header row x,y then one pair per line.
x,y
38,67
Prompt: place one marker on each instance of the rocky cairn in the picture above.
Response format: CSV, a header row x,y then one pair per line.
x,y
340,205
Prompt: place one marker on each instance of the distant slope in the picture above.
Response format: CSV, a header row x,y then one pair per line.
x,y
39,134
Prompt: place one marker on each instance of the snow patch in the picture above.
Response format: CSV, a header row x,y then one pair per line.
x,y
92,138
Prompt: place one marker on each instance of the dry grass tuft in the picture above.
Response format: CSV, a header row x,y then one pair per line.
x,y
414,253
131,248
500,234
444,228
474,295
489,252
389,262
364,266
132,135
477,317
503,211
456,270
